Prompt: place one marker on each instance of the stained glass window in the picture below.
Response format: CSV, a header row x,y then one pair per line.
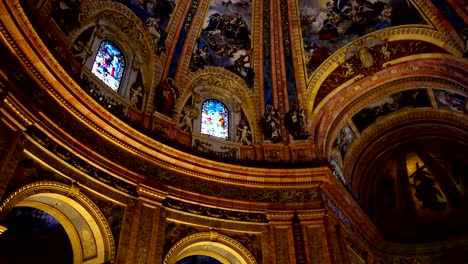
x,y
109,64
215,119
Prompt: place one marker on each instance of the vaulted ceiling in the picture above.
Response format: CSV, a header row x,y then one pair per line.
x,y
382,84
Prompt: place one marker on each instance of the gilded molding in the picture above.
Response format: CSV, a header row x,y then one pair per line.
x,y
213,212
77,162
193,23
118,141
226,241
150,192
2,229
417,33
365,91
59,188
18,112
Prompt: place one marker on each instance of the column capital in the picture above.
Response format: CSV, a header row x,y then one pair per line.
x,y
151,195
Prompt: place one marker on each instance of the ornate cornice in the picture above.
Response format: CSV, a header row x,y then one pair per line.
x,y
123,139
80,164
219,213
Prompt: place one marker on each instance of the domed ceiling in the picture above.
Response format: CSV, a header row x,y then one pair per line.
x,y
374,89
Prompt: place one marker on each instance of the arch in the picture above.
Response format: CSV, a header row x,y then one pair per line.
x,y
109,64
89,233
220,81
213,244
411,33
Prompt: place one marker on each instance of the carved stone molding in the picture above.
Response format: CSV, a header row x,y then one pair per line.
x,y
55,188
415,33
190,242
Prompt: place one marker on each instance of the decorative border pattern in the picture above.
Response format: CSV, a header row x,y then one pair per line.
x,y
215,212
69,191
417,33
214,237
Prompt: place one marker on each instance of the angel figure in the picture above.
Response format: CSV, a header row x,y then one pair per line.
x,y
136,93
362,51
244,132
82,51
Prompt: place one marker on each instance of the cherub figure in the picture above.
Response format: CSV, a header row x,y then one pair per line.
x,y
136,92
82,51
244,132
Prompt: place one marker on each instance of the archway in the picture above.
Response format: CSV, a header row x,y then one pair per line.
x,y
222,248
89,233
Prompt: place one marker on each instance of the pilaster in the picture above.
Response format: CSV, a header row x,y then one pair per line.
x,y
314,237
11,152
142,226
281,237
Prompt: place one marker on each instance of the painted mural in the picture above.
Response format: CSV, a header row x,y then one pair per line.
x,y
344,140
390,104
66,14
328,25
225,39
453,101
155,15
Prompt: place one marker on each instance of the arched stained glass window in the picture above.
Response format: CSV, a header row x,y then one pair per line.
x,y
109,64
215,119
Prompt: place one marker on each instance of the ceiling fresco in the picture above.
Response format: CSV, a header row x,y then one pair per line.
x,y
155,15
225,39
386,115
329,25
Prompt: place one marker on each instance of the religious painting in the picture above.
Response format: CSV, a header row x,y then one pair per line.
x,y
271,124
425,188
390,104
335,165
328,25
453,101
344,140
295,121
155,15
166,96
225,39
215,119
109,64
67,14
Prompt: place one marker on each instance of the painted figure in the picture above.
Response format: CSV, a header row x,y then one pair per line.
x,y
271,124
166,97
